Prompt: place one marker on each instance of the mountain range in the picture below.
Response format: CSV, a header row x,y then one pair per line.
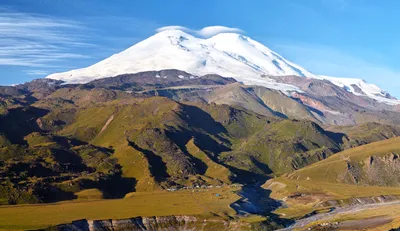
x,y
135,133
207,120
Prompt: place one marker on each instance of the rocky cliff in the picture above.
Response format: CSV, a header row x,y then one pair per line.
x,y
167,223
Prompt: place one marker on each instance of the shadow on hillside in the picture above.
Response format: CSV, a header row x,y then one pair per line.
x,y
50,194
201,167
70,159
198,119
117,186
202,141
337,137
263,167
20,122
316,111
157,167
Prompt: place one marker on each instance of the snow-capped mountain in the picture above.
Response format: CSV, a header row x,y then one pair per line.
x,y
361,87
225,54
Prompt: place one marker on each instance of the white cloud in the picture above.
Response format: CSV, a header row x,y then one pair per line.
x,y
213,30
35,44
37,41
182,28
204,32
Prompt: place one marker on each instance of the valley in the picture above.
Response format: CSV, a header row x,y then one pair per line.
x,y
133,149
188,144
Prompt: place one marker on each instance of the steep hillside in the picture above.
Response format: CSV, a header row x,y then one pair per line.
x,y
260,100
374,164
365,133
282,147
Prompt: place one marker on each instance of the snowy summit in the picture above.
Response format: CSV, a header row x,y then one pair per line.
x,y
225,54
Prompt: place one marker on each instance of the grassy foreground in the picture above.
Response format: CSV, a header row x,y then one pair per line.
x,y
37,216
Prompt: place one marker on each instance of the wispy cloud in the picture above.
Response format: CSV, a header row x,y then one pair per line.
x,y
326,60
204,32
37,41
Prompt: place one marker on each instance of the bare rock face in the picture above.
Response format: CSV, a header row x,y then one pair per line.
x,y
335,105
374,171
167,223
39,123
357,89
310,102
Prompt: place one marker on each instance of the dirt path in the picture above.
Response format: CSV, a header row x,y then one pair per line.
x,y
107,123
302,223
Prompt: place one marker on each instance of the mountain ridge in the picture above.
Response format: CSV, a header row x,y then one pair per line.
x,y
317,100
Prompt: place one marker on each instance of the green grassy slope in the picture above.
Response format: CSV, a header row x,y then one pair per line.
x,y
335,168
365,133
282,147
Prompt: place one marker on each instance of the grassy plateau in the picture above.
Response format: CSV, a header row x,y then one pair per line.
x,y
187,202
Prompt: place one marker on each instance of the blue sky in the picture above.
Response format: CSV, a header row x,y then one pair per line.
x,y
345,38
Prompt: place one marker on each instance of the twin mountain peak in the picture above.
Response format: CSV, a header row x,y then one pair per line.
x,y
225,54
